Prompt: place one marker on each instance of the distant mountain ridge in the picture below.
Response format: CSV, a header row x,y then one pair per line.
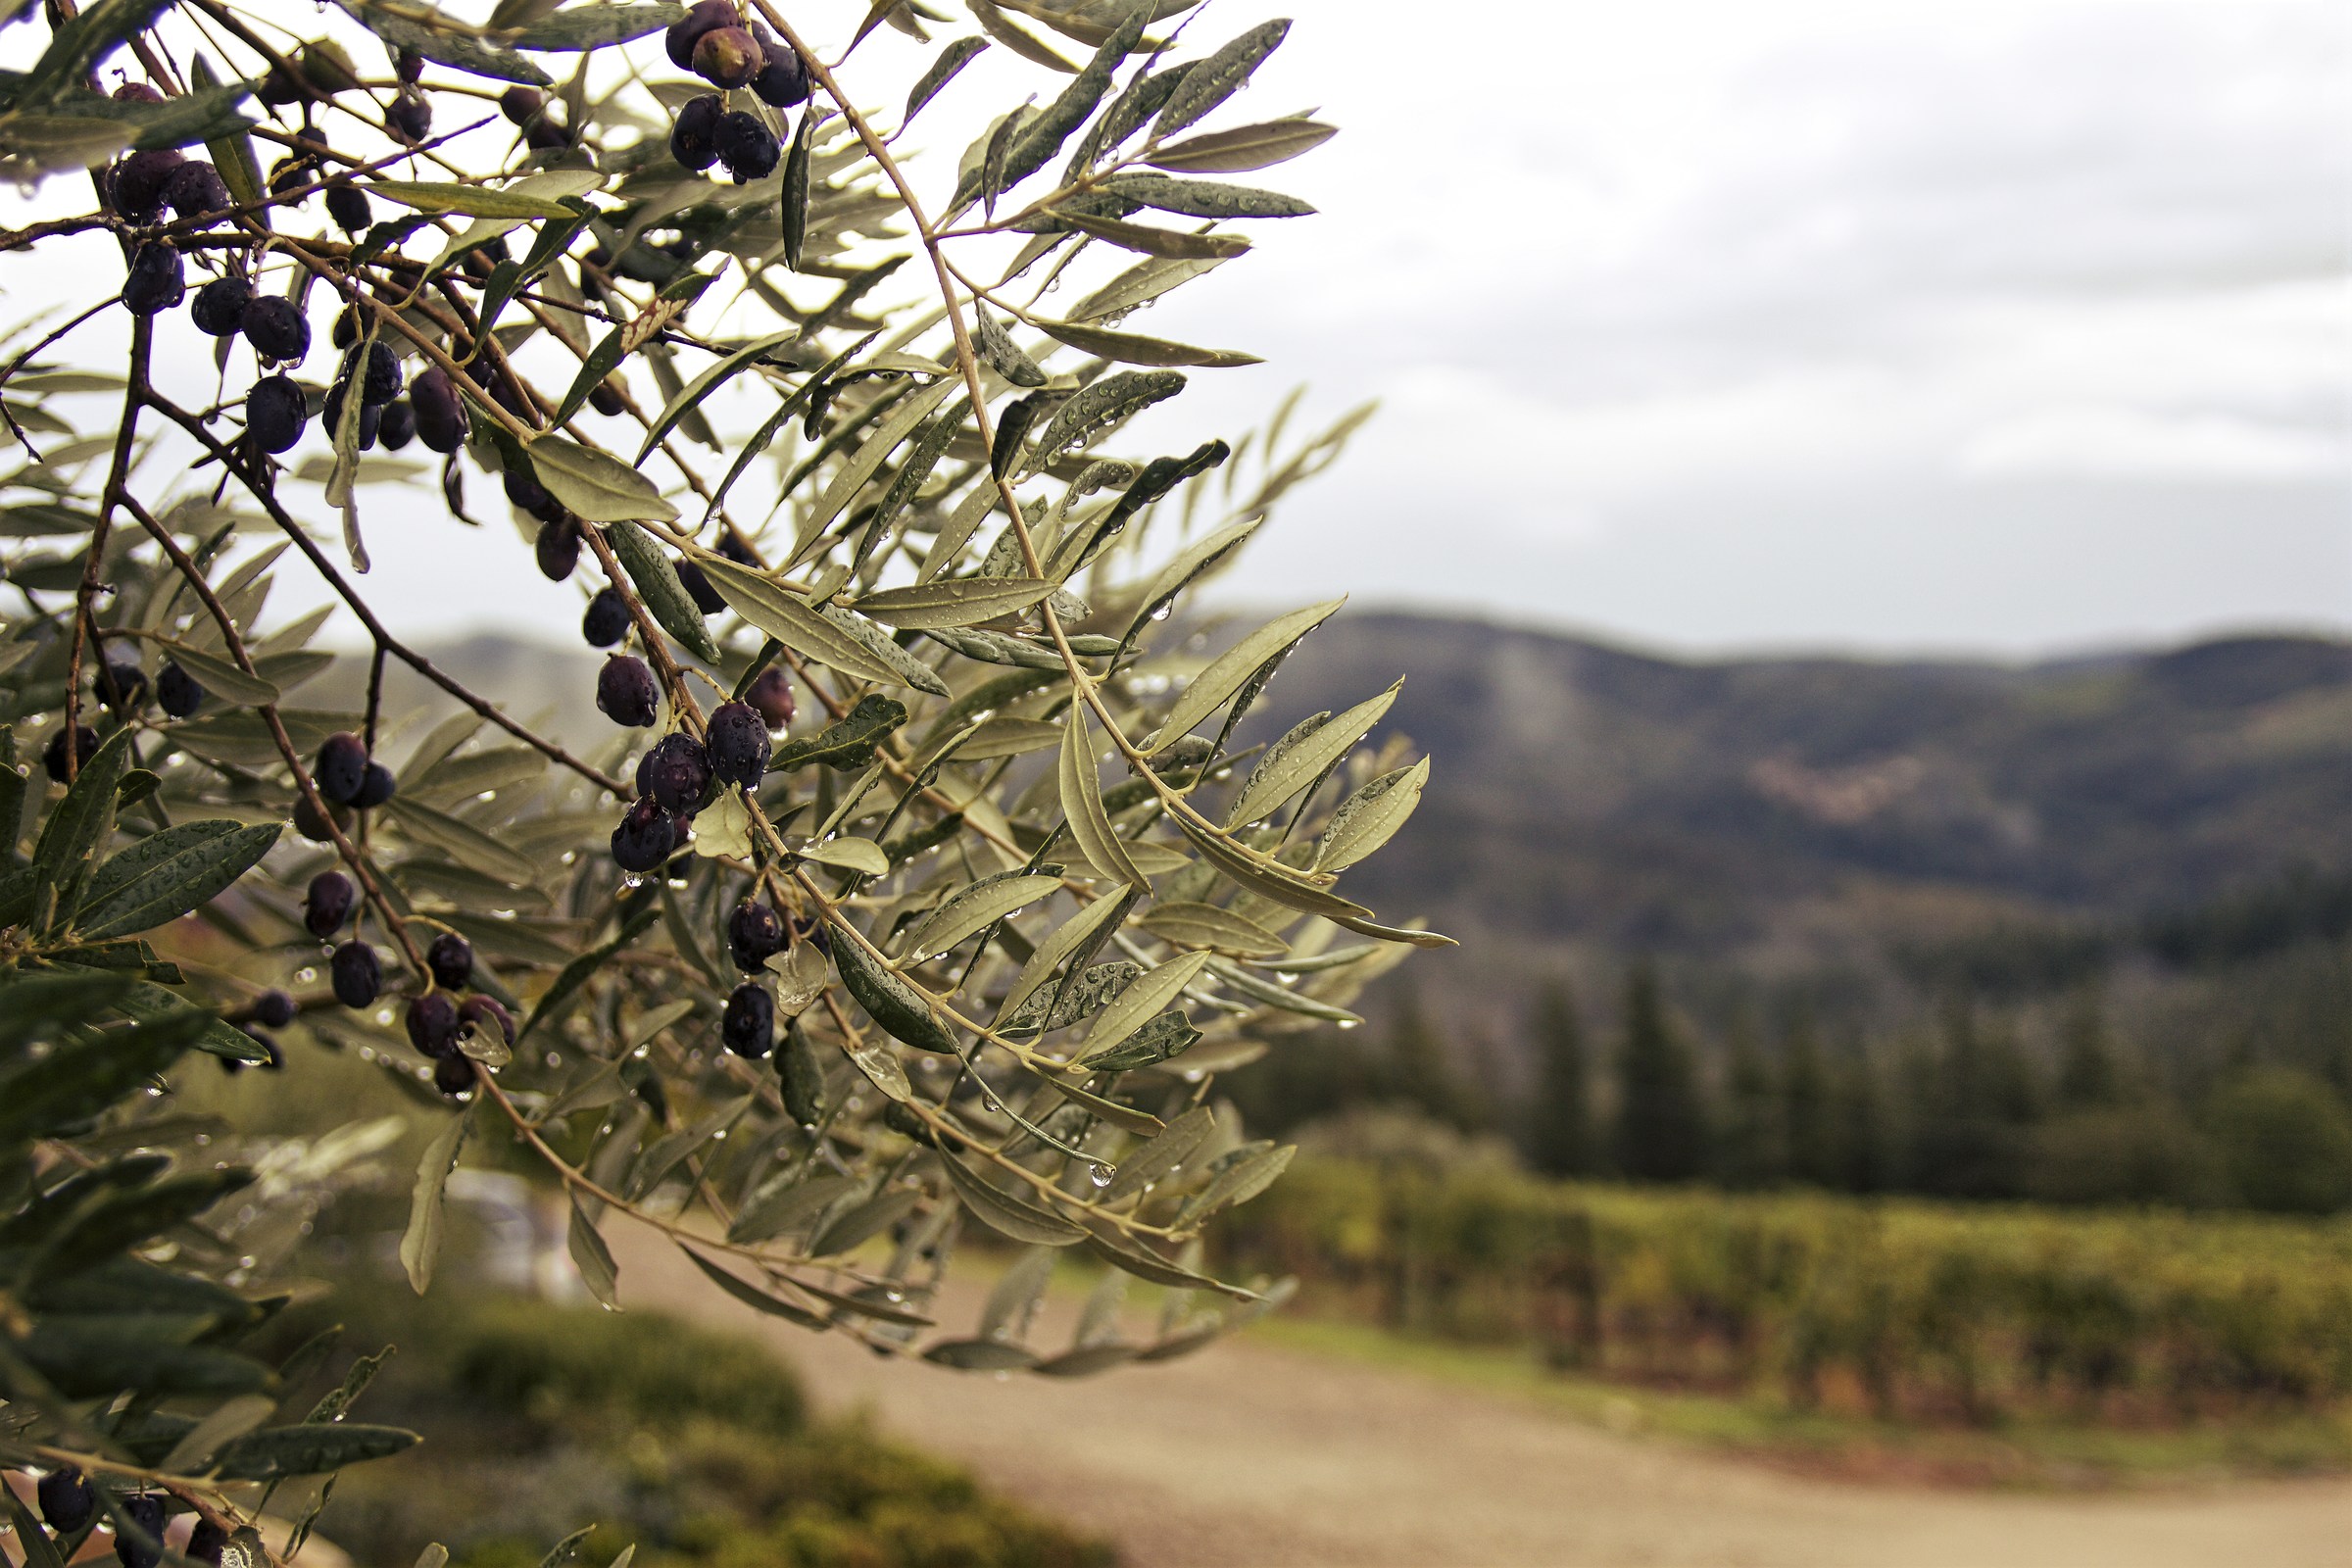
x,y
1791,812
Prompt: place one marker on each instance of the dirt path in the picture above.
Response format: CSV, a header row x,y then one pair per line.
x,y
1253,1456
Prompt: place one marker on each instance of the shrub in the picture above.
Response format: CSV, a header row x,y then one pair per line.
x,y
2286,1141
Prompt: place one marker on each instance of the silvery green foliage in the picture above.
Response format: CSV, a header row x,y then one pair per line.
x,y
1034,887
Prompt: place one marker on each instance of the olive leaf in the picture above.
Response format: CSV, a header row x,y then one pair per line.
x,y
1241,149
597,486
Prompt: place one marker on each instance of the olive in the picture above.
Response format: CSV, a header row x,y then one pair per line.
x,y
348,205
67,1498
157,279
691,136
784,80
607,618
749,1024
772,696
739,746
676,772
138,180
754,935
399,425
328,905
383,380
411,118
219,309
141,1545
625,692
697,583
644,837
559,549
376,786
727,57
440,410
747,147
356,974
453,1074
178,691
197,190
275,328
341,767
53,756
432,1025
275,411
687,31
450,959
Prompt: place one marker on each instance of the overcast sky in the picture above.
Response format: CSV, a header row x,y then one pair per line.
x,y
1992,325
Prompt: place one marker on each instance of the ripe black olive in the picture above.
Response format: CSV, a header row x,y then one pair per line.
x,y
275,411
739,745
644,837
440,410
157,279
275,328
328,905
607,621
432,1024
676,772
754,935
356,974
749,1025
625,692
450,960
341,767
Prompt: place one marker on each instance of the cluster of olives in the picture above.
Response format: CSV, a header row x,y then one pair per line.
x,y
713,42
748,1026
348,779
141,187
678,776
68,1502
121,686
438,1025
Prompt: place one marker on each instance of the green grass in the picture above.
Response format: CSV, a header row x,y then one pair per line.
x,y
2028,1453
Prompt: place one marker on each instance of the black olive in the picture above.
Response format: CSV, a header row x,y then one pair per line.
x,y
693,134
747,147
341,767
559,549
137,182
644,837
432,1024
275,328
157,279
771,695
348,205
178,691
356,974
625,692
328,905
53,756
397,425
754,935
749,1025
739,745
676,772
275,411
440,410
376,786
607,618
219,309
450,960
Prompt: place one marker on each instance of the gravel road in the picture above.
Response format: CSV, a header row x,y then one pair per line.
x,y
1257,1457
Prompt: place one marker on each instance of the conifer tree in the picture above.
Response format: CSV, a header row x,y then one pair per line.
x,y
1750,1147
1559,1135
1815,1141
1661,1131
